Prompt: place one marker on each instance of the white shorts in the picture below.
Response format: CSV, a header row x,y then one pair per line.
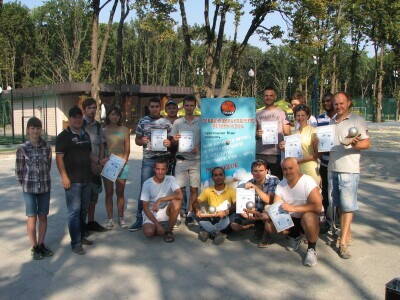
x,y
161,216
187,173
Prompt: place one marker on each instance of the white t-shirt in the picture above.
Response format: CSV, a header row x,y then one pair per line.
x,y
152,190
298,194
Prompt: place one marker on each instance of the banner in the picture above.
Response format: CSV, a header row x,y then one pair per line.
x,y
228,128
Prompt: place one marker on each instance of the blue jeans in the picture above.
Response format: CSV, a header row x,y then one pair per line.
x,y
146,173
214,225
78,198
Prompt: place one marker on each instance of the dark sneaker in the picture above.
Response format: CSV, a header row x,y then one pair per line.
x,y
219,238
94,226
324,228
87,242
137,225
203,236
78,250
189,220
265,241
46,252
36,253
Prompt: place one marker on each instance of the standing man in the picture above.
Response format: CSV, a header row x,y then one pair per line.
x,y
73,148
344,166
187,170
93,128
271,153
143,136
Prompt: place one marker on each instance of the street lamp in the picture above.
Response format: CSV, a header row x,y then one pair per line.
x,y
252,74
315,92
290,81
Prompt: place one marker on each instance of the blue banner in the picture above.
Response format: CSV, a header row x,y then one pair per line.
x,y
228,128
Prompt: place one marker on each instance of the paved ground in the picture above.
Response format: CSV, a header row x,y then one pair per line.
x,y
124,265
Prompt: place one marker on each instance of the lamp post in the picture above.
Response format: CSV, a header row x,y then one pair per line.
x,y
252,74
315,91
290,82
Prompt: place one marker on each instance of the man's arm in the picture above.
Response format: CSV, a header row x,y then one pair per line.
x,y
149,214
61,168
176,195
265,197
127,146
286,129
361,144
314,204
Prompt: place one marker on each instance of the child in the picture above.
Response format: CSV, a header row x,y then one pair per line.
x,y
32,168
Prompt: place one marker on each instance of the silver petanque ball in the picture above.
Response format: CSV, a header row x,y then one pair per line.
x,y
212,209
353,132
250,205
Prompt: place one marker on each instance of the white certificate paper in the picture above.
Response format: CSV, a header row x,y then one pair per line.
x,y
270,132
326,138
157,139
281,219
113,167
293,146
186,141
242,197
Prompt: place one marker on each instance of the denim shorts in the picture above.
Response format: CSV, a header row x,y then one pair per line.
x,y
343,190
37,204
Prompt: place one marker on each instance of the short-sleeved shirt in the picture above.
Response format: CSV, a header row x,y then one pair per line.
x,y
144,127
342,159
76,149
215,198
324,120
115,139
297,195
93,129
194,126
275,114
268,187
312,121
152,190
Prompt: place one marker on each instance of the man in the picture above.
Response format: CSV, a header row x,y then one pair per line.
x,y
323,120
271,153
162,200
93,128
301,198
143,136
264,185
73,149
344,166
171,108
221,197
297,99
187,170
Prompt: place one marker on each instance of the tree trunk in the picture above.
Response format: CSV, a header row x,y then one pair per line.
x,y
333,78
379,98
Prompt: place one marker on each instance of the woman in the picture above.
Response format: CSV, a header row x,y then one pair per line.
x,y
309,143
117,142
32,168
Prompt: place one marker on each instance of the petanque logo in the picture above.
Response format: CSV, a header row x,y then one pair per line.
x,y
228,108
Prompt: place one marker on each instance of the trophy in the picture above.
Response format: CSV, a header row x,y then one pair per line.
x,y
212,209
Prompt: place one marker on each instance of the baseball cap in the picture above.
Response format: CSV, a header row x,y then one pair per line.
x,y
75,111
170,101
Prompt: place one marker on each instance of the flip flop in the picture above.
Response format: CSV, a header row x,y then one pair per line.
x,y
169,237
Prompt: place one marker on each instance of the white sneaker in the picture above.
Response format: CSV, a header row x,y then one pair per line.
x,y
311,258
294,243
109,224
122,223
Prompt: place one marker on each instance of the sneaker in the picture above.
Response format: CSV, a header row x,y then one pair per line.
x,y
121,223
109,224
78,250
46,252
219,238
94,226
189,220
87,242
203,236
344,252
36,253
137,225
311,258
293,243
265,241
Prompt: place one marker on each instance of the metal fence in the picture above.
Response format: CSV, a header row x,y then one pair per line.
x,y
366,108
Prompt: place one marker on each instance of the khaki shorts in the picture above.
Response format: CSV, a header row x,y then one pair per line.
x,y
161,216
187,173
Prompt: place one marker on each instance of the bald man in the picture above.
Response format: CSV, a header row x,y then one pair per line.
x,y
302,199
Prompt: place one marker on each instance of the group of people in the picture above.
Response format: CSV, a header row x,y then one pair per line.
x,y
170,180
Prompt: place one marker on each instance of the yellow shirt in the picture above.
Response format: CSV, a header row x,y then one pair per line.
x,y
211,196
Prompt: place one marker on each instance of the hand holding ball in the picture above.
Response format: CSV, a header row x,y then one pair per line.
x,y
212,209
250,205
353,132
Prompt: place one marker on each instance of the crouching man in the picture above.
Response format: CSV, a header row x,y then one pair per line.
x,y
301,198
162,198
221,198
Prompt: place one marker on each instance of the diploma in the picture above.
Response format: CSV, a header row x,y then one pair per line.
x,y
326,138
186,141
113,167
270,132
281,219
242,197
293,146
157,139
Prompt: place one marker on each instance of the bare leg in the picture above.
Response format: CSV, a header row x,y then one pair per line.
x,y
193,197
345,222
109,188
149,230
173,212
120,190
42,228
310,224
31,229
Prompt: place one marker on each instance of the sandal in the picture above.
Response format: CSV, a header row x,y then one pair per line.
x,y
169,237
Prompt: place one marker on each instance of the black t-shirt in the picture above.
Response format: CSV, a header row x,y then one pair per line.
x,y
76,149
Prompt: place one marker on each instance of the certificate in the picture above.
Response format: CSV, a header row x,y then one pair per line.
x,y
281,219
293,146
242,197
113,167
186,141
270,132
326,138
157,139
